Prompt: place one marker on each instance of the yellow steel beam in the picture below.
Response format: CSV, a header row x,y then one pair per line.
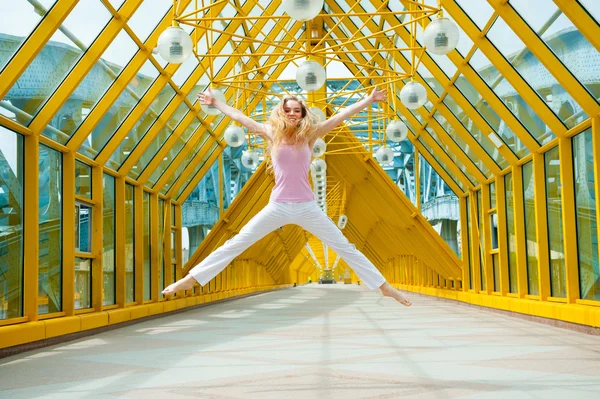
x,y
97,237
440,132
119,229
582,20
535,44
30,215
569,218
507,70
84,65
541,225
34,44
138,240
68,247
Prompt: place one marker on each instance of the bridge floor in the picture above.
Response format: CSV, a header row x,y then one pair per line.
x,y
316,341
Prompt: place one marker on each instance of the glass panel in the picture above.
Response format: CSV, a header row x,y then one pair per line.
x,y
141,127
83,180
147,17
494,229
592,7
587,226
108,231
157,142
199,165
568,44
533,72
173,249
200,211
481,249
530,230
479,11
469,230
496,267
11,224
83,283
510,232
94,85
555,231
455,158
83,227
147,253
50,231
492,195
129,245
440,206
119,110
501,129
173,218
180,143
161,246
17,21
47,71
442,164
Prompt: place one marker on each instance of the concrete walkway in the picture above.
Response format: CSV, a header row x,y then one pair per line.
x,y
316,341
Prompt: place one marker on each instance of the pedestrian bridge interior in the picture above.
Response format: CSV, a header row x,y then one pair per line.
x,y
114,181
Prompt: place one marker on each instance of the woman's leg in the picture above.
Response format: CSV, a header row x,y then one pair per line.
x,y
317,223
268,219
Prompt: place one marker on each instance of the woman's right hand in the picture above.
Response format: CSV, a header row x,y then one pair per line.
x,y
206,98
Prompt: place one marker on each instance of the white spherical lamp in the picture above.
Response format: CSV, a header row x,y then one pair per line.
x,y
211,109
413,95
250,159
396,131
310,75
320,165
234,136
174,45
319,148
318,114
440,36
302,10
342,221
384,155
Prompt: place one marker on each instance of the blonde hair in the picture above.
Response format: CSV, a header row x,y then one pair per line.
x,y
282,129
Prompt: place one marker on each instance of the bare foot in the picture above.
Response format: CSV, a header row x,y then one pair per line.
x,y
184,284
388,290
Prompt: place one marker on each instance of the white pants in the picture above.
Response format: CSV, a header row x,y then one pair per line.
x,y
307,215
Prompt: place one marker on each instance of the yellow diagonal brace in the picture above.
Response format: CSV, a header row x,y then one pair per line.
x,y
84,65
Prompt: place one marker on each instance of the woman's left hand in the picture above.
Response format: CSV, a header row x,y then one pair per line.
x,y
377,95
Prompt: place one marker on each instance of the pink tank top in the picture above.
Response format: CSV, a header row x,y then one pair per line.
x,y
291,166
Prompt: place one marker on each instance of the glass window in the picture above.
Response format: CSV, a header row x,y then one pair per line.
x,y
141,127
455,158
213,146
530,230
17,21
147,17
568,44
119,110
492,195
161,246
496,267
50,231
481,248
147,246
83,227
54,62
129,244
440,206
83,180
510,232
178,146
514,102
83,283
555,231
159,139
592,7
108,252
11,224
94,85
587,227
442,164
533,72
479,11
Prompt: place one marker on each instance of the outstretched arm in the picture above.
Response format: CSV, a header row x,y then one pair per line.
x,y
325,127
260,129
